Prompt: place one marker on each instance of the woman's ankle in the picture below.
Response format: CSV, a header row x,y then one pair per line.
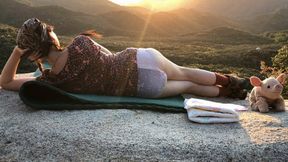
x,y
222,80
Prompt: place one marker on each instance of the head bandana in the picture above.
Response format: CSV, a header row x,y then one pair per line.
x,y
31,34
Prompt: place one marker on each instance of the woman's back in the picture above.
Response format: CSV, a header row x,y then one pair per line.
x,y
90,70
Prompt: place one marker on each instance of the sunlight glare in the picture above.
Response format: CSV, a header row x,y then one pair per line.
x,y
162,5
127,2
155,5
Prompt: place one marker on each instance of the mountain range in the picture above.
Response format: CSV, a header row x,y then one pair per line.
x,y
113,22
271,22
235,9
74,16
91,7
225,35
238,9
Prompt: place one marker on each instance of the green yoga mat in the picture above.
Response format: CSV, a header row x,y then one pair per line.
x,y
41,95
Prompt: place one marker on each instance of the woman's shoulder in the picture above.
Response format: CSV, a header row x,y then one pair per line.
x,y
81,37
82,42
83,46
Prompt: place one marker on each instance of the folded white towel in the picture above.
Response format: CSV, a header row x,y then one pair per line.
x,y
203,111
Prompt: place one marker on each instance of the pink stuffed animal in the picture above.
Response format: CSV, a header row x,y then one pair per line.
x,y
267,94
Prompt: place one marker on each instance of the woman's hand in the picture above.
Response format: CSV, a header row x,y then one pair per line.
x,y
18,51
7,80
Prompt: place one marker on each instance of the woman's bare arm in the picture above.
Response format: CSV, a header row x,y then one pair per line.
x,y
7,78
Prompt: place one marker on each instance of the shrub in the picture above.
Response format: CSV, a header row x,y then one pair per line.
x,y
7,43
280,65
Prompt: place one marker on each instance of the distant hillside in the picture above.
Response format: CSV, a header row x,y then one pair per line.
x,y
253,15
200,21
88,6
92,7
162,23
224,35
14,13
278,37
119,23
69,22
238,9
269,22
112,23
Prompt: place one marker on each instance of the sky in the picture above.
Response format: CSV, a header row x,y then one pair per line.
x,y
158,5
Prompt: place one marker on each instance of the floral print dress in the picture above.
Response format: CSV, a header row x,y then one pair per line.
x,y
89,70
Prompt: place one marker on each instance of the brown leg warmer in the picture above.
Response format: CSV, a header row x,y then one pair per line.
x,y
222,80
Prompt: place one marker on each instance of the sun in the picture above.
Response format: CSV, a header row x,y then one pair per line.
x,y
127,2
156,5
163,5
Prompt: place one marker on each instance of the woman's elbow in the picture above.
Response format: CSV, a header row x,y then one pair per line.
x,y
10,86
3,84
6,86
15,84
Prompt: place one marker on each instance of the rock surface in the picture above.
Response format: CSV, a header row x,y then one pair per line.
x,y
130,134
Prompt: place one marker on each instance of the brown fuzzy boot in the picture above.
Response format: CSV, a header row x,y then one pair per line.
x,y
233,93
240,94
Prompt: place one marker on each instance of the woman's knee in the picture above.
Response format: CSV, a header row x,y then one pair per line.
x,y
175,72
173,88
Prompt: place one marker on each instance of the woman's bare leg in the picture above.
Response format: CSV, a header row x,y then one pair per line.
x,y
180,73
173,88
197,81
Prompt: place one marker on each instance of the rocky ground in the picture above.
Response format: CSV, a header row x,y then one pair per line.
x,y
134,135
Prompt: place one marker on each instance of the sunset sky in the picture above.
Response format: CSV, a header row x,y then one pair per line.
x,y
161,5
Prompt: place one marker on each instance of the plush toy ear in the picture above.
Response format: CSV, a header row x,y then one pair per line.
x,y
282,78
255,81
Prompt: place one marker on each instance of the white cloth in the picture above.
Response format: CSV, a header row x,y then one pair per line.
x,y
203,111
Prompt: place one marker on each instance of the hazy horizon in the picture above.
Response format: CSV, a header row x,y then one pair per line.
x,y
156,5
221,7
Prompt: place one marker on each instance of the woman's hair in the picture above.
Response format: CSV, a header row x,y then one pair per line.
x,y
34,36
92,33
